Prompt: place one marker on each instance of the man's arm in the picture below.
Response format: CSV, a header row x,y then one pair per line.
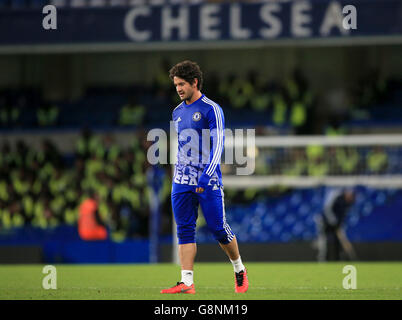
x,y
329,209
216,128
347,246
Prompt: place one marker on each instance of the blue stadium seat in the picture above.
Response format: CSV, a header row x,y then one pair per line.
x,y
280,222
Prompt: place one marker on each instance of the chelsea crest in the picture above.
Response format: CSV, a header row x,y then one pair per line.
x,y
196,116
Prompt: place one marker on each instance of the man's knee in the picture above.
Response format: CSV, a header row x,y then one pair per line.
x,y
186,234
223,236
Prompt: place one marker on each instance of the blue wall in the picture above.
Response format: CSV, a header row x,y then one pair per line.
x,y
63,245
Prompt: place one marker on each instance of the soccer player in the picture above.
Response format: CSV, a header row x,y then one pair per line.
x,y
197,177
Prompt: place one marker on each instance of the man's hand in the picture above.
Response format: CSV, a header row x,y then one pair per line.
x,y
347,246
199,190
202,183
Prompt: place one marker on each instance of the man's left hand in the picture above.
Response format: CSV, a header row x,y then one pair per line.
x,y
202,183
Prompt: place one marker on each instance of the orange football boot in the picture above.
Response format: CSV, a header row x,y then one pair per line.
x,y
241,281
180,287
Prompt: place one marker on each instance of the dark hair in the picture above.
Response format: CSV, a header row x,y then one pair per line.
x,y
188,71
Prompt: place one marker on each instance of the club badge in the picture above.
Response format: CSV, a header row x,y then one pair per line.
x,y
197,116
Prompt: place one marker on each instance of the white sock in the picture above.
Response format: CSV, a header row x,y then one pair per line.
x,y
187,277
237,265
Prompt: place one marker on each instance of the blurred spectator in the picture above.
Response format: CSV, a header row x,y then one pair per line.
x,y
10,109
132,113
280,110
90,225
6,156
377,161
298,165
110,149
348,160
332,240
317,164
298,114
87,145
334,127
38,189
240,91
47,114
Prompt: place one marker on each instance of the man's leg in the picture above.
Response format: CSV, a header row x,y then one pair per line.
x,y
187,254
321,239
213,208
231,249
185,209
330,242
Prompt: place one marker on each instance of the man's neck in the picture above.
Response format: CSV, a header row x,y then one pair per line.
x,y
194,97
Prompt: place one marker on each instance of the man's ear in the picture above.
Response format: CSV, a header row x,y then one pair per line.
x,y
195,83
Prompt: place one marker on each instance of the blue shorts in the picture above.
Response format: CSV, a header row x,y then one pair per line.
x,y
185,202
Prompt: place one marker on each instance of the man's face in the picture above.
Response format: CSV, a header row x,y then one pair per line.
x,y
184,89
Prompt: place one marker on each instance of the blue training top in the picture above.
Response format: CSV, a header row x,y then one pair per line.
x,y
200,129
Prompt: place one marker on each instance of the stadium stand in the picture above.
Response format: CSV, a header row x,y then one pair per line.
x,y
290,216
268,104
27,198
45,188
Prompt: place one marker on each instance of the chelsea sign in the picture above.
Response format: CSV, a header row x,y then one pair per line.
x,y
236,21
265,21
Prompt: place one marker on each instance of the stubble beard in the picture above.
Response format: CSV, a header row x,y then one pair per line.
x,y
187,97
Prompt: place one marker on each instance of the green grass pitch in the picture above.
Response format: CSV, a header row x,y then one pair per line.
x,y
268,281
